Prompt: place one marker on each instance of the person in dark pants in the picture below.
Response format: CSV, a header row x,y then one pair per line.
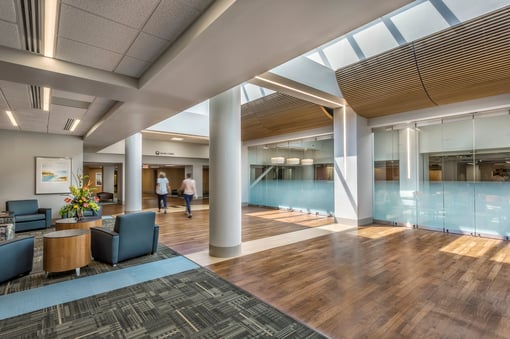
x,y
188,188
162,189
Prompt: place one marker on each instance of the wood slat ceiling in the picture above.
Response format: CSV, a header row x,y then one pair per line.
x,y
465,62
384,84
468,61
278,114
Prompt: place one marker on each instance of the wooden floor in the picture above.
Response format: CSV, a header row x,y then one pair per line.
x,y
370,282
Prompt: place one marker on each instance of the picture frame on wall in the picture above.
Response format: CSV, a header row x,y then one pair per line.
x,y
52,175
99,179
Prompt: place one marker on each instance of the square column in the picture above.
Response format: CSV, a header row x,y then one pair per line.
x,y
353,168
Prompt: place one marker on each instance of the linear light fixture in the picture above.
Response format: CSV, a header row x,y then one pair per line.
x,y
293,161
11,118
408,150
46,99
344,117
278,160
50,24
176,139
75,124
298,90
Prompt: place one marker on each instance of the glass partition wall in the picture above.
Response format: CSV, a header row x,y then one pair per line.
x,y
295,174
453,174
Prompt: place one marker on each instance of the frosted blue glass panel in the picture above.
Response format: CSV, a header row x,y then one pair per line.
x,y
492,208
387,203
430,206
459,209
307,195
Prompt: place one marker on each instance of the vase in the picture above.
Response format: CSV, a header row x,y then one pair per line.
x,y
79,215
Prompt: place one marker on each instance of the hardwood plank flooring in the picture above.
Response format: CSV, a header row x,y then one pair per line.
x,y
369,282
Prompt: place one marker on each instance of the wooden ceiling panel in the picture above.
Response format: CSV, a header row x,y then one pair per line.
x,y
385,84
465,62
278,114
468,61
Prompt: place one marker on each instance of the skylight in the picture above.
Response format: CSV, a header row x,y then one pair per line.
x,y
414,21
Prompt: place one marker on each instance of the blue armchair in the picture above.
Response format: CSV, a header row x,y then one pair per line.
x,y
28,215
133,235
17,257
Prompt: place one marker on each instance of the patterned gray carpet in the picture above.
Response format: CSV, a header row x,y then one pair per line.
x,y
191,304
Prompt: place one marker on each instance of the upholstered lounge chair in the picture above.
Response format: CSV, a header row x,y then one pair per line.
x,y
133,235
17,257
28,214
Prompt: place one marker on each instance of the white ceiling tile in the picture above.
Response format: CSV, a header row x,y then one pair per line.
x,y
3,104
33,120
170,20
59,115
17,95
10,35
93,30
7,10
147,47
72,96
198,4
79,53
131,67
133,13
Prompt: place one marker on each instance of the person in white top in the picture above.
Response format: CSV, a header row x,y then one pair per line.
x,y
189,191
162,190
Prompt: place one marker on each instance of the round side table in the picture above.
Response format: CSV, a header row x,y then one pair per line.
x,y
66,250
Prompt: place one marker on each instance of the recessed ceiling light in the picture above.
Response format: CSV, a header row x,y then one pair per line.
x,y
11,118
177,139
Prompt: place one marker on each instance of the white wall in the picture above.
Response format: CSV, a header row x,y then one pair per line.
x,y
17,166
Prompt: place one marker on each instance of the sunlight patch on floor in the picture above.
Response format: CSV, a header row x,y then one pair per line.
x,y
250,247
503,255
294,217
470,246
378,232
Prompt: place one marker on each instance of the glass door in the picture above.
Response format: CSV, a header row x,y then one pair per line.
x,y
386,198
460,170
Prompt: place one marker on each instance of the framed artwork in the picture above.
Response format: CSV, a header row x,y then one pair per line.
x,y
52,175
99,179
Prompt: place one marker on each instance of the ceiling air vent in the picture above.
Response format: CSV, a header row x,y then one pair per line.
x,y
69,124
35,96
30,12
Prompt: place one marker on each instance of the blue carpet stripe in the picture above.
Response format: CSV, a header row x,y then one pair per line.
x,y
15,304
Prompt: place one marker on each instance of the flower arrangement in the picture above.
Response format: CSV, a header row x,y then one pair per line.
x,y
81,199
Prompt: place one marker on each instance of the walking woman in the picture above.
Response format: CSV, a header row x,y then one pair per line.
x,y
162,189
189,191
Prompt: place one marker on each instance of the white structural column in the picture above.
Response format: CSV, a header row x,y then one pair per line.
x,y
225,174
245,175
353,168
133,182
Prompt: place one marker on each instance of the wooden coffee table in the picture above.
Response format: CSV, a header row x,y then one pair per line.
x,y
72,223
66,250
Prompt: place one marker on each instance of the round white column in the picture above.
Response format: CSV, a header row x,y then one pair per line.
x,y
225,174
133,187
